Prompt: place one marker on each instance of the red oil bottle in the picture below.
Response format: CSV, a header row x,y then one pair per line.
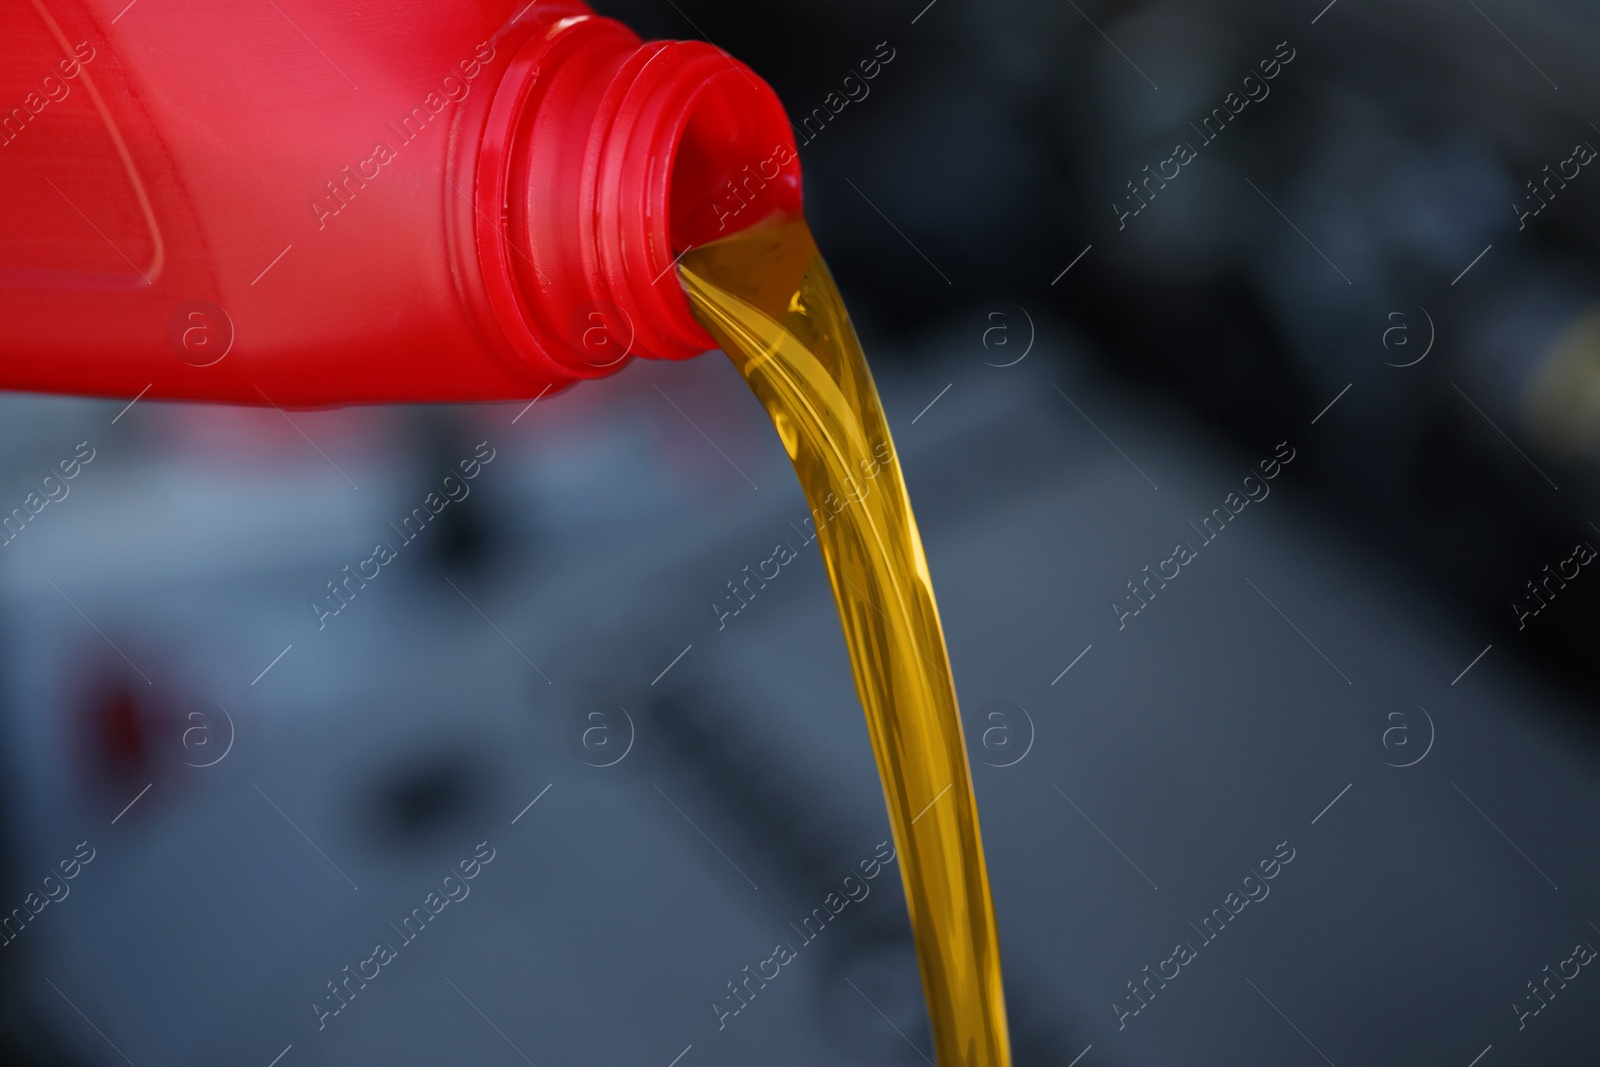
x,y
308,204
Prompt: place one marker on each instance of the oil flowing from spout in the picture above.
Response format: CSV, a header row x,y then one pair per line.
x,y
767,297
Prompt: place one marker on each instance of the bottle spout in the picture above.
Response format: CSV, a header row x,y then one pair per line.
x,y
605,159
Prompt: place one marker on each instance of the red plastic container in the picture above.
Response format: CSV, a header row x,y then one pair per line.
x,y
310,203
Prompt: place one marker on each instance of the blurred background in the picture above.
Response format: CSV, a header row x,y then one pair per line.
x,y
1379,251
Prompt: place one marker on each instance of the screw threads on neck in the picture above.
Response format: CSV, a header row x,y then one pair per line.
x,y
603,161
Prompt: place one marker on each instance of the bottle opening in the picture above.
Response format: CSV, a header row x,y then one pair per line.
x,y
678,165
606,159
734,167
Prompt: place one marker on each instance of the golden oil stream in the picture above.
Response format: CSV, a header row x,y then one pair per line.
x,y
767,297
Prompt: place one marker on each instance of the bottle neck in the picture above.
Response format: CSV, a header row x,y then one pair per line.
x,y
604,159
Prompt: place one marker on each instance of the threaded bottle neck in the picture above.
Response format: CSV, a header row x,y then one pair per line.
x,y
604,160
